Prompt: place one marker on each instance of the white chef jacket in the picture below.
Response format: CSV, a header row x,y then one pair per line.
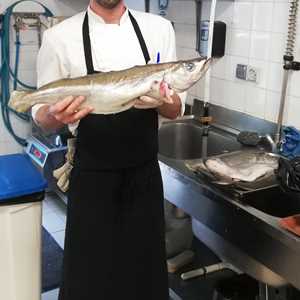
x,y
114,47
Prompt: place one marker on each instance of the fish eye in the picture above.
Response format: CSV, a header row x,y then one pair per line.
x,y
190,66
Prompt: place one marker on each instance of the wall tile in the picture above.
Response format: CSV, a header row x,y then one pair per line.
x,y
28,59
190,53
28,77
293,112
294,85
272,106
182,12
255,101
262,67
200,88
185,35
280,17
180,52
239,42
235,96
224,12
277,47
275,76
4,134
190,99
297,45
217,91
260,44
262,16
242,15
219,67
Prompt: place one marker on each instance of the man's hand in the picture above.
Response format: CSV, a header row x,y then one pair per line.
x,y
168,103
163,95
146,102
66,111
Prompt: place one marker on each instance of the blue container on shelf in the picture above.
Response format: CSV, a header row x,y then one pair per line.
x,y
22,189
20,181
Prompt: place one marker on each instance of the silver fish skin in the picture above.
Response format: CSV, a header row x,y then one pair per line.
x,y
115,91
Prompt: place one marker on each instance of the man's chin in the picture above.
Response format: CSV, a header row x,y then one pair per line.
x,y
109,4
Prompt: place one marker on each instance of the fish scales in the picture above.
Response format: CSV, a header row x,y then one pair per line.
x,y
115,91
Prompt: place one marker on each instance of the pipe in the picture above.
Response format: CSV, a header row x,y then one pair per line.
x,y
198,23
147,5
6,71
282,106
288,64
209,269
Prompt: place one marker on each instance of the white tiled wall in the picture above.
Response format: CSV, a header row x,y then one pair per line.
x,y
28,54
256,36
256,32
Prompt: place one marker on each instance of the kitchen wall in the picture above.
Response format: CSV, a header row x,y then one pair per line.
x,y
256,32
256,36
27,70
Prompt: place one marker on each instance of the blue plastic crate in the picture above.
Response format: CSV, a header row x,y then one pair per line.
x,y
19,177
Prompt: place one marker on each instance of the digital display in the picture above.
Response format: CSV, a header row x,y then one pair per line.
x,y
38,155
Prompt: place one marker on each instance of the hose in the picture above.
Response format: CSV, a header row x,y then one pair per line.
x,y
289,64
6,73
292,25
289,174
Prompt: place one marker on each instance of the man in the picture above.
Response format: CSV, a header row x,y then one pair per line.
x,y
114,247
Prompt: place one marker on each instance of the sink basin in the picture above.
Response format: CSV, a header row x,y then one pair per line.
x,y
185,140
276,203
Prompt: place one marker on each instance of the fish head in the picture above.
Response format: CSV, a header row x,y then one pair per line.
x,y
183,74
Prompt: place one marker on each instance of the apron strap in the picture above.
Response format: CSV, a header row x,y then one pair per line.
x,y
87,42
140,37
87,45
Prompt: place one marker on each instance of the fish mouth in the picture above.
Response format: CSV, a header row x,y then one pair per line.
x,y
207,63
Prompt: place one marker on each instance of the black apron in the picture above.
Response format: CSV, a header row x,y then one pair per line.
x,y
115,235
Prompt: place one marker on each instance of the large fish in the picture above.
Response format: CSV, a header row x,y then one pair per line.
x,y
113,92
245,166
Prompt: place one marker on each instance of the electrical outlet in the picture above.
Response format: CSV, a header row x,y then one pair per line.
x,y
246,72
241,71
252,74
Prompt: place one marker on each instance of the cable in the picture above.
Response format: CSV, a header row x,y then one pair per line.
x,y
6,73
289,174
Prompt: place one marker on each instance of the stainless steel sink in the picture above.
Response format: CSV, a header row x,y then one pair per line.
x,y
185,140
276,203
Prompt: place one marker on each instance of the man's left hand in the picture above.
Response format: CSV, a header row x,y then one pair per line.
x,y
145,102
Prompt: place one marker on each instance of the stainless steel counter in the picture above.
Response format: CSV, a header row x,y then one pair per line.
x,y
273,254
246,235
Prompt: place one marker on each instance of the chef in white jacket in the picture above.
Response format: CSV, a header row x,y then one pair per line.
x,y
114,246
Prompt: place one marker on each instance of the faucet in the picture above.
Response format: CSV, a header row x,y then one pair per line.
x,y
274,146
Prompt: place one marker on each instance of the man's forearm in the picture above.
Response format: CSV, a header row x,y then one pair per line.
x,y
47,121
171,111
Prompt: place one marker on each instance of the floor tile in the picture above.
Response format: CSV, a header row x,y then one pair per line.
x,y
51,295
60,238
52,222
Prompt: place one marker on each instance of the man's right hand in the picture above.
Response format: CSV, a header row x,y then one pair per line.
x,y
63,112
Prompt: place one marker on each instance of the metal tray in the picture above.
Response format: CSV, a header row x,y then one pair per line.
x,y
239,189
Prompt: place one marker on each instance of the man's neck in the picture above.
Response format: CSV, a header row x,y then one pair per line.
x,y
110,16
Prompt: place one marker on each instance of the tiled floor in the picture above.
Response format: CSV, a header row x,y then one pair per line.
x,y
54,220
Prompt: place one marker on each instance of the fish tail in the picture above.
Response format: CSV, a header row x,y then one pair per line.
x,y
18,101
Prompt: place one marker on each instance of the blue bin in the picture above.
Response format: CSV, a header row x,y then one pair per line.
x,y
20,181
22,189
